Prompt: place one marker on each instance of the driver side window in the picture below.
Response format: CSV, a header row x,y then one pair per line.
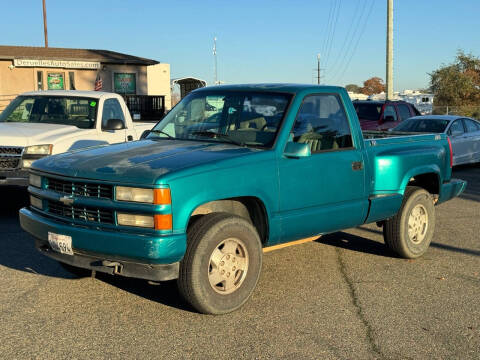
x,y
321,122
111,110
456,128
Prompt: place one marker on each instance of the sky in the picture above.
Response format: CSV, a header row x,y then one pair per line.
x,y
262,40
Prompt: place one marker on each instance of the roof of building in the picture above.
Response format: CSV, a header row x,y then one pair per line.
x,y
43,53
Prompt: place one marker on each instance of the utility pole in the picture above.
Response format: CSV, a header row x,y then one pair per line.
x,y
215,57
45,23
318,69
389,49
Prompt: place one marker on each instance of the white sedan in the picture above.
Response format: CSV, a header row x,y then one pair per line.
x,y
463,132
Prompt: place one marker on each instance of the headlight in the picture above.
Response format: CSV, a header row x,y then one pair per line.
x,y
134,194
39,149
149,196
35,180
146,221
27,163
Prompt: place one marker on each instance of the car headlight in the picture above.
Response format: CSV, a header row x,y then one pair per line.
x,y
35,180
39,149
36,202
26,163
149,196
146,221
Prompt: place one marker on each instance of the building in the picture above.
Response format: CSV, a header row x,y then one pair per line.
x,y
24,68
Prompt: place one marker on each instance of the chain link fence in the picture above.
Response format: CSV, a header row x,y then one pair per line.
x,y
466,110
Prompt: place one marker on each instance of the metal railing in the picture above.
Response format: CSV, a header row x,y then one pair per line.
x,y
145,107
462,110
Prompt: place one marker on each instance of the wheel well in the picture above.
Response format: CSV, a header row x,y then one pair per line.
x,y
427,181
248,207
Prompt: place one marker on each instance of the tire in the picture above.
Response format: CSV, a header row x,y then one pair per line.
x,y
410,231
221,265
78,272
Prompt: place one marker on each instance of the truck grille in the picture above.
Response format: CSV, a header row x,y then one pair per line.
x,y
81,213
10,157
80,188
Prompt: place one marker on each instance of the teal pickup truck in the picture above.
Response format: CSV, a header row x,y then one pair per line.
x,y
229,171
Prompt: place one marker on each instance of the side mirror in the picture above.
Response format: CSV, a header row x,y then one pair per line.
x,y
297,150
144,134
114,124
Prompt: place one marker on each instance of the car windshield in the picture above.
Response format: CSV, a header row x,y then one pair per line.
x,y
370,111
423,125
63,110
243,118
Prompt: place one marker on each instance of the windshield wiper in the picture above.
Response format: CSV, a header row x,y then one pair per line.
x,y
163,133
214,135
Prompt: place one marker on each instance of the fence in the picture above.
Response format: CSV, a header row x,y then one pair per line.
x,y
5,100
149,107
466,110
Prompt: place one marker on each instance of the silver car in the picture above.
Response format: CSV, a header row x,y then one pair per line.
x,y
464,133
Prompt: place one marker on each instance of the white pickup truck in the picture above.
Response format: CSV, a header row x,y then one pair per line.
x,y
41,123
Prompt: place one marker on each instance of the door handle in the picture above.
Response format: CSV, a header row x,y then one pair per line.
x,y
357,165
129,138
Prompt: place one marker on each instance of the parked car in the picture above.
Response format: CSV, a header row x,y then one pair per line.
x,y
42,123
463,132
199,198
383,115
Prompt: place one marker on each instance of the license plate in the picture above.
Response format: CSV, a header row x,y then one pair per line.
x,y
60,243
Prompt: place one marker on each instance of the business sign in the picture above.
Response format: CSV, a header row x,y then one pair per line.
x,y
93,65
125,83
55,81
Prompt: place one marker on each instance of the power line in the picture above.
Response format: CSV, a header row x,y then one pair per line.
x,y
327,27
358,40
348,37
339,2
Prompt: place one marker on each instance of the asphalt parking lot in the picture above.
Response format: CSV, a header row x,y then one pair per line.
x,y
343,296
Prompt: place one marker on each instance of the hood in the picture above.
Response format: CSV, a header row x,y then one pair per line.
x,y
24,134
140,162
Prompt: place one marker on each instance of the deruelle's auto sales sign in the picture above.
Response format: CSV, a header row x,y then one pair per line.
x,y
66,64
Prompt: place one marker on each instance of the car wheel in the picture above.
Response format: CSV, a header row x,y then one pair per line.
x,y
221,265
410,231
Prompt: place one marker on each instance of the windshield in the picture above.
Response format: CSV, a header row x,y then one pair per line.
x,y
76,111
368,111
423,125
243,118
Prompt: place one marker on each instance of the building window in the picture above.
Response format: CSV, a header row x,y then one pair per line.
x,y
71,78
39,80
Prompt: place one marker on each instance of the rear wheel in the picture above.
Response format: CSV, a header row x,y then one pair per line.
x,y
222,263
410,231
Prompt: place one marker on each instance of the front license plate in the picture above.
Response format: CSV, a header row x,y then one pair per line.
x,y
60,243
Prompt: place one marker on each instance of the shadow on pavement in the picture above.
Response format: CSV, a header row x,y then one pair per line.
x,y
356,243
470,173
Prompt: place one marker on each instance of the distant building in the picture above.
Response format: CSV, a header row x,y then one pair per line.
x,y
24,68
422,101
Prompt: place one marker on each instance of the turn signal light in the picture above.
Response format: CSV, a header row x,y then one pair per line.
x,y
162,197
163,222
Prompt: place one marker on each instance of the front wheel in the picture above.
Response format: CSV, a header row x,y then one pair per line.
x,y
410,231
222,263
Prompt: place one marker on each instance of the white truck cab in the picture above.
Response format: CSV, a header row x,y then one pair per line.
x,y
41,123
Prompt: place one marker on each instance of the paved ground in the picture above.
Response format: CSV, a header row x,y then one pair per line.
x,y
341,297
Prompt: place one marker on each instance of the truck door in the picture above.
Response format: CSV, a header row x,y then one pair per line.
x,y
113,110
325,191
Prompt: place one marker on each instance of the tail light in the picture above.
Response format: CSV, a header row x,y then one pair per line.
x,y
451,152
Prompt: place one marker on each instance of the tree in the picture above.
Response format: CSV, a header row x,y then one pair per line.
x,y
458,85
353,88
372,86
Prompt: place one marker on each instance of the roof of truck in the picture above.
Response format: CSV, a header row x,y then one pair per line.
x,y
79,93
289,88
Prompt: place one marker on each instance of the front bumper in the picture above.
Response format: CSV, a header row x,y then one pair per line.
x,y
147,256
14,177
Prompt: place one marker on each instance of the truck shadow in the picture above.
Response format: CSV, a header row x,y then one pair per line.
x,y
356,243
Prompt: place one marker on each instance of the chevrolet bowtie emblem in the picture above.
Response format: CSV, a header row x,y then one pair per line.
x,y
66,200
